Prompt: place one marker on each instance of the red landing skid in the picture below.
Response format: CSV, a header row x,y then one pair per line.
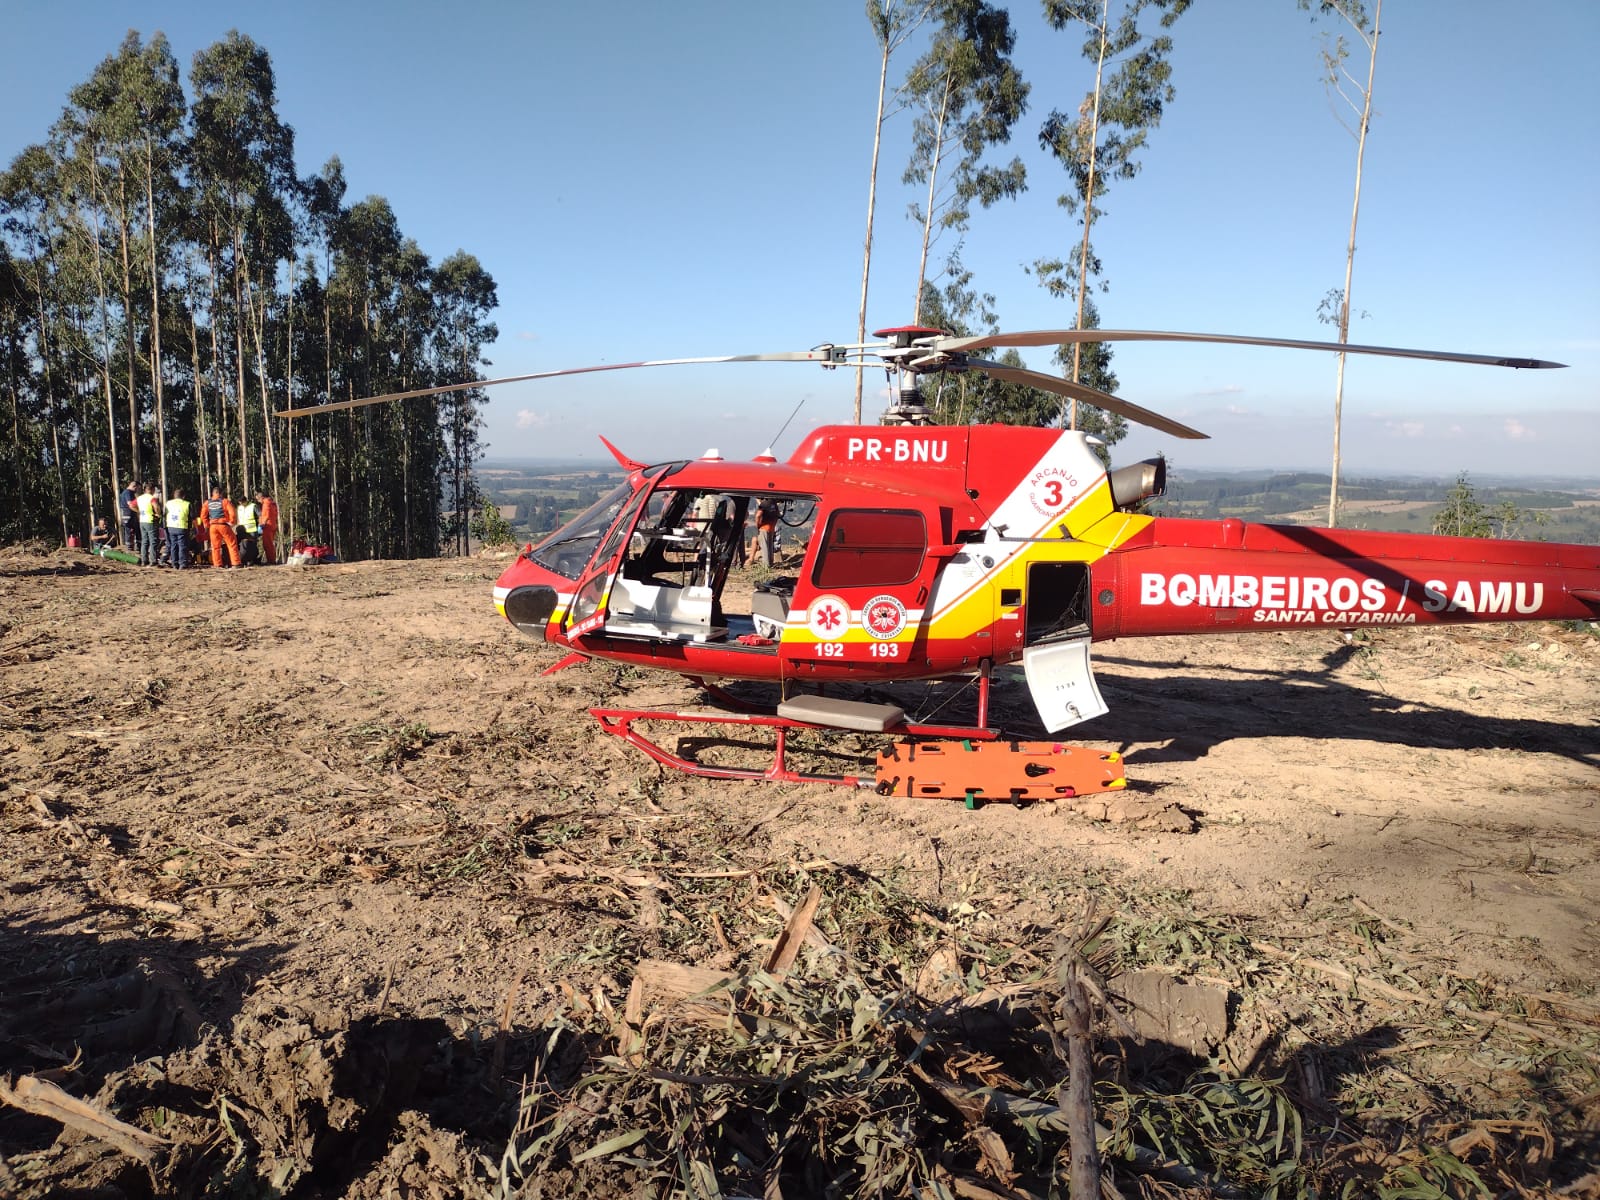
x,y
973,766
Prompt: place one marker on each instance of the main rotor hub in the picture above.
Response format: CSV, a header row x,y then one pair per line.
x,y
908,408
905,335
906,356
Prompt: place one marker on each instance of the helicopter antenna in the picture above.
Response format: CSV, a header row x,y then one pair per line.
x,y
773,440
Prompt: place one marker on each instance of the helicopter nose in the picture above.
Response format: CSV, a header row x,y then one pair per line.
x,y
529,608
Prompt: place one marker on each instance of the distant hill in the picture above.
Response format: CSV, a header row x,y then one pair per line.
x,y
1563,510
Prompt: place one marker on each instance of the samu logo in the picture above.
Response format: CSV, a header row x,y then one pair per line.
x,y
827,617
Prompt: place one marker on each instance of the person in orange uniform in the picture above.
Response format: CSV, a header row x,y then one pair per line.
x,y
269,528
219,516
765,545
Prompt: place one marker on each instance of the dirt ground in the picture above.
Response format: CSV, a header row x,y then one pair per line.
x,y
306,870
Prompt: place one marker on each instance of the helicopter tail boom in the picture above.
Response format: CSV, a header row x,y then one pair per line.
x,y
1183,576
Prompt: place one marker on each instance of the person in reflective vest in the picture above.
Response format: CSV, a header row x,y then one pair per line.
x,y
248,518
149,539
269,528
220,519
178,530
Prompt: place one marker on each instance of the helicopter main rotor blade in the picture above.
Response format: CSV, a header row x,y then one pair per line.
x,y
1063,337
1088,395
821,354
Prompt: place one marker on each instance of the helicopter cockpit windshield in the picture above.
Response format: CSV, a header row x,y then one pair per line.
x,y
569,549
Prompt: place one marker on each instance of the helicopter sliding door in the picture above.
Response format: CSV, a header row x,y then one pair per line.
x,y
863,591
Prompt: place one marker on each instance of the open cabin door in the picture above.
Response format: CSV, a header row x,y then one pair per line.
x,y
591,602
1055,656
660,573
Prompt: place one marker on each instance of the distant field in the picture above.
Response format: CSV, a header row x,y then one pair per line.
x,y
545,496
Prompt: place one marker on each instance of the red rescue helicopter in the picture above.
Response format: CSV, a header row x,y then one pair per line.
x,y
940,551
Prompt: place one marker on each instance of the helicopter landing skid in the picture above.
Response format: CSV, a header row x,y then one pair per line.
x,y
974,765
619,722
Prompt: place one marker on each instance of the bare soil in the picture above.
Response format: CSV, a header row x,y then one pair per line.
x,y
309,871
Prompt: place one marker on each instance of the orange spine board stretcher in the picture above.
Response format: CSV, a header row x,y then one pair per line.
x,y
997,770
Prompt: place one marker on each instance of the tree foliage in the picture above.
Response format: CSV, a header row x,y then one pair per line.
x,y
1464,515
968,95
1335,306
168,281
1101,140
1098,143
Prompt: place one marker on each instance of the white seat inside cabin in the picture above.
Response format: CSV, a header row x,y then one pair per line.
x,y
662,611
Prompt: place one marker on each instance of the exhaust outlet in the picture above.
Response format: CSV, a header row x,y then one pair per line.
x,y
1138,481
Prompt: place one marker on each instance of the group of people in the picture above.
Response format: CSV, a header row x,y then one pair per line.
x,y
176,532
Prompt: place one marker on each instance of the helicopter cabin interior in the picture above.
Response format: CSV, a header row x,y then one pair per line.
x,y
670,582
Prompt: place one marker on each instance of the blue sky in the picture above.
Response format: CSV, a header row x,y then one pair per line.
x,y
654,179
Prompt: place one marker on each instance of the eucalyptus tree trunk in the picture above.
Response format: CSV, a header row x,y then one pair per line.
x,y
220,474
324,502
50,408
933,188
55,454
238,356
892,22
84,385
1350,263
129,327
49,384
1088,202
92,236
257,320
327,386
202,444
105,376
288,341
872,203
155,312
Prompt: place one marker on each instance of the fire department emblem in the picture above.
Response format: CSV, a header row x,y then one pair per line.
x,y
883,617
828,617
